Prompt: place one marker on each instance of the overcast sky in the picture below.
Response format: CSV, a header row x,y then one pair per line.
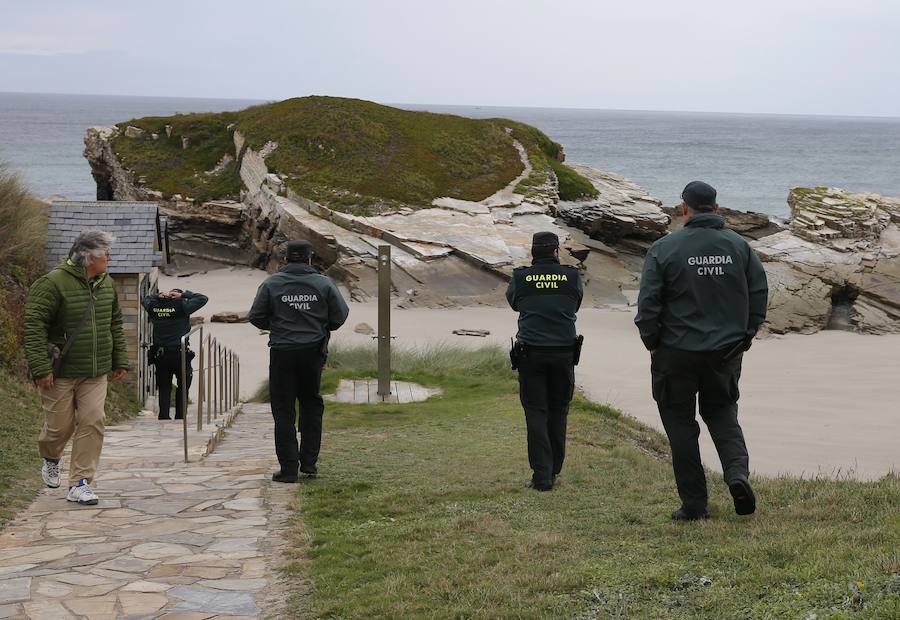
x,y
805,56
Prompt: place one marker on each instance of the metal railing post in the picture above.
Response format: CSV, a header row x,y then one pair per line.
x,y
208,371
214,358
184,389
222,379
227,380
200,380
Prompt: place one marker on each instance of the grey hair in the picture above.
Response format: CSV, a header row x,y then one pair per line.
x,y
90,243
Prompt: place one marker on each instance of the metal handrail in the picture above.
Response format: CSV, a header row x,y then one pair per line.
x,y
218,376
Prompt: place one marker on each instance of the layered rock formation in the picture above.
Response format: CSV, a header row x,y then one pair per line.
x,y
838,265
450,251
623,214
746,223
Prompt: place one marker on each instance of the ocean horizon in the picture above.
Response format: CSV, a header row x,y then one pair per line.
x,y
752,159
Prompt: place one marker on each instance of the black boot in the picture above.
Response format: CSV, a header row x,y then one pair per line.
x,y
744,499
311,471
683,514
283,476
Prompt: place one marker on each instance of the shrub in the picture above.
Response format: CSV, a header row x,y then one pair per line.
x,y
23,232
572,186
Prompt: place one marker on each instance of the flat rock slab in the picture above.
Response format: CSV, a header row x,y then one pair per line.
x,y
365,392
15,590
202,599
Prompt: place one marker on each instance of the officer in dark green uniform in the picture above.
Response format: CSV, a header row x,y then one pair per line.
x,y
300,307
546,295
703,297
170,312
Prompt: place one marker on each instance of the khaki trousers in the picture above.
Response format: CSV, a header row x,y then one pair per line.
x,y
74,407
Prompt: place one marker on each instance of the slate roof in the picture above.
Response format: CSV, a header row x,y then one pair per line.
x,y
135,225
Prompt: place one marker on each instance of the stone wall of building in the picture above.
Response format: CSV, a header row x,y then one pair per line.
x,y
128,286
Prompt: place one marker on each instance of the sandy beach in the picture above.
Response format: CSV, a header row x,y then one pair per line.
x,y
820,405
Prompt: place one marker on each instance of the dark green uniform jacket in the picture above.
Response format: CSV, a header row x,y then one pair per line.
x,y
172,317
299,306
702,288
546,295
56,303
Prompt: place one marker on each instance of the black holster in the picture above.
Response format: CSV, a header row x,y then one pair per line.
x,y
576,350
323,347
516,353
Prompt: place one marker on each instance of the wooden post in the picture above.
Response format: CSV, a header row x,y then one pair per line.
x,y
384,320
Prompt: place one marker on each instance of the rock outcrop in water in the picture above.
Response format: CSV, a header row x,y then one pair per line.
x,y
838,266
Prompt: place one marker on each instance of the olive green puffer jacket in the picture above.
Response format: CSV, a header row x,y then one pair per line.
x,y
56,303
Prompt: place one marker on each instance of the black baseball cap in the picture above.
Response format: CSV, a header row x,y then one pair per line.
x,y
699,194
544,240
298,250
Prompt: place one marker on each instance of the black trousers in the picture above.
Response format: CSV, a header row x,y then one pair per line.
x,y
168,367
546,384
679,377
295,376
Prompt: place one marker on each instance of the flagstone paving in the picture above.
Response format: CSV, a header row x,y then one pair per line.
x,y
169,539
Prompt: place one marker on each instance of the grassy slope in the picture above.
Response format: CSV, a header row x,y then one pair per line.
x,y
421,512
20,423
345,152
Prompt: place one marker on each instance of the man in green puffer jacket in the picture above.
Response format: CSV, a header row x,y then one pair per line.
x,y
75,307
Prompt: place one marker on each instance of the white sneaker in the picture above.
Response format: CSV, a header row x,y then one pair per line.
x,y
50,473
82,493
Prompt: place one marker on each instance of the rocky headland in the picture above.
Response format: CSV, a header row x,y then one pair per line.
x,y
458,200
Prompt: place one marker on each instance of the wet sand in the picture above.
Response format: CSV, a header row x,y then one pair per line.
x,y
826,404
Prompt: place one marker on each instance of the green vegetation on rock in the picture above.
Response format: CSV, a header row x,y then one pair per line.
x,y
171,169
421,511
543,153
572,186
347,153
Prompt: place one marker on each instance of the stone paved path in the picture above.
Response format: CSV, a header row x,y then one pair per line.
x,y
168,539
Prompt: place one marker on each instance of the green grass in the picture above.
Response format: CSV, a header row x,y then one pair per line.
x,y
353,155
420,511
572,186
20,422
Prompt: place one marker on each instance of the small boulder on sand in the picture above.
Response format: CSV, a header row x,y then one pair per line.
x,y
229,317
365,329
